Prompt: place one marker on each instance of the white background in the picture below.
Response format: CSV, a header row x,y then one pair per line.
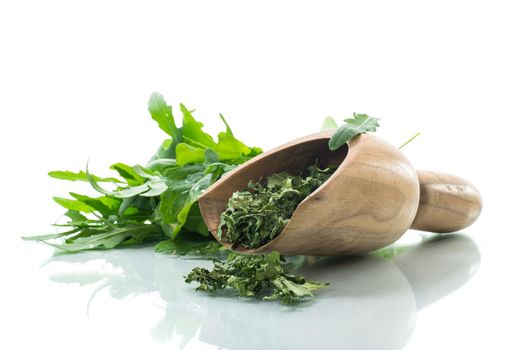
x,y
75,77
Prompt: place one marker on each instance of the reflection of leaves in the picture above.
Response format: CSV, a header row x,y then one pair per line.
x,y
183,319
391,251
356,280
82,278
134,272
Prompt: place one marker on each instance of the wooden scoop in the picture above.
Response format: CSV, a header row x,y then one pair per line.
x,y
373,198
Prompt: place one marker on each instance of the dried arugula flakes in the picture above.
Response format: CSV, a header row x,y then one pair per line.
x,y
255,276
258,214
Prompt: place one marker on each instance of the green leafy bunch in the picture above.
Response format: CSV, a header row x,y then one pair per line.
x,y
159,200
154,201
257,215
255,276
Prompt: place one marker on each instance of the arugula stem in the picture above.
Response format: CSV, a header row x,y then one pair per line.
x,y
410,140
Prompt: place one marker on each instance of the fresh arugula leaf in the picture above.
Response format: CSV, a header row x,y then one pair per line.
x,y
163,115
210,156
128,173
188,244
122,193
192,132
166,150
187,154
73,204
110,238
106,206
50,236
79,176
228,129
156,188
161,165
228,148
410,140
360,123
195,222
177,201
255,276
75,215
137,206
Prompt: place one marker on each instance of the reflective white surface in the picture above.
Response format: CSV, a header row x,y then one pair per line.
x,y
75,78
372,302
456,291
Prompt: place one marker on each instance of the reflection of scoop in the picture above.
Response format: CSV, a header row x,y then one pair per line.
x,y
368,305
438,267
369,202
371,303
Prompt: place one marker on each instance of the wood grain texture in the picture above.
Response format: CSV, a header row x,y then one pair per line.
x,y
368,203
447,203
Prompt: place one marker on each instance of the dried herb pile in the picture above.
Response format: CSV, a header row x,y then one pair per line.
x,y
257,215
255,276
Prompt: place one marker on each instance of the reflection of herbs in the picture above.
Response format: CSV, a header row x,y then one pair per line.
x,y
255,275
256,216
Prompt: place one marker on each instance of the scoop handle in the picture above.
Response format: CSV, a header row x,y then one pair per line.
x,y
447,203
